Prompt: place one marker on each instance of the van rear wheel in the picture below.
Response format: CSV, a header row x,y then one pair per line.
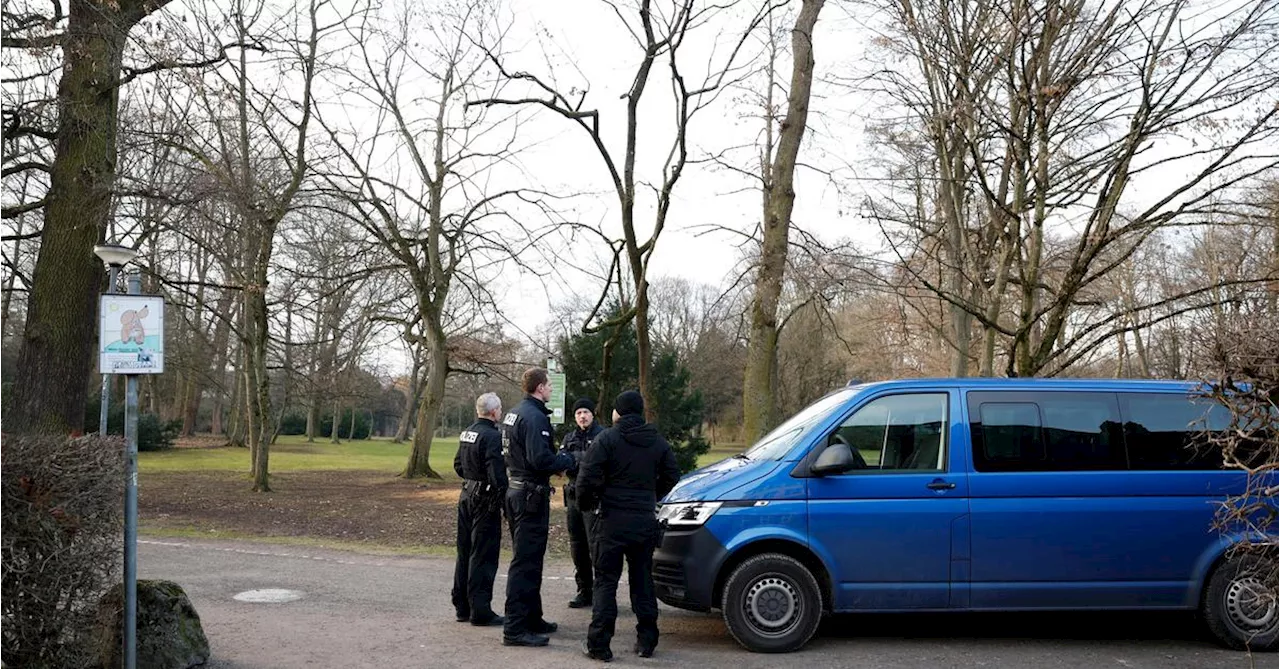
x,y
1239,607
772,604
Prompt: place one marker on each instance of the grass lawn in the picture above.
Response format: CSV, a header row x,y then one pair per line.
x,y
346,495
294,454
718,453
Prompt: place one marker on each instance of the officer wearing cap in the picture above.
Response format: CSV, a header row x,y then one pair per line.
x,y
484,486
624,474
577,441
531,461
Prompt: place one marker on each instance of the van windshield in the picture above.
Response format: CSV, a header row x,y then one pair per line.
x,y
778,442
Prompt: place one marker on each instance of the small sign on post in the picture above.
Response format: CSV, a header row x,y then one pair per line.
x,y
131,334
557,380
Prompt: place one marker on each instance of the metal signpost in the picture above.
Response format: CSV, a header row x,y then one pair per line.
x,y
556,403
114,257
131,342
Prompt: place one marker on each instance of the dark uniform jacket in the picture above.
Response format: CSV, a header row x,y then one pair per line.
x,y
479,455
526,442
629,469
578,441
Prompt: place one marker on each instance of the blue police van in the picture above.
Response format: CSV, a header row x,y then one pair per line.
x,y
968,495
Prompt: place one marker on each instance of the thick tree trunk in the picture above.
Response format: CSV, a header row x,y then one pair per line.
x,y
260,399
419,464
335,425
57,342
760,381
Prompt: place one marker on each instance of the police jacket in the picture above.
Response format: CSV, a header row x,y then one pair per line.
x,y
578,441
526,442
629,469
479,455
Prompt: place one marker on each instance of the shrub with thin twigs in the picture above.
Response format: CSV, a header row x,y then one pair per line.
x,y
61,539
1248,385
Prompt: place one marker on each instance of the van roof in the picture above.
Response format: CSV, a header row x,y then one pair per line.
x,y
980,383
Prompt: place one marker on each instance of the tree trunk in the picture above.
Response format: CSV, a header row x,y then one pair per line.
x,y
1122,356
419,464
410,400
644,350
260,399
313,418
236,418
191,397
57,340
221,344
335,425
7,298
406,416
1140,350
760,381
351,433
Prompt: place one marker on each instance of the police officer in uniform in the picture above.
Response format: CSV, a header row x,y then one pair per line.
x,y
577,441
624,474
484,486
531,460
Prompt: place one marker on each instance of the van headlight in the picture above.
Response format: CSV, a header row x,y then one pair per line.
x,y
689,514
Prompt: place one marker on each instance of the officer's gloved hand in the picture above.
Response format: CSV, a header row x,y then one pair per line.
x,y
577,459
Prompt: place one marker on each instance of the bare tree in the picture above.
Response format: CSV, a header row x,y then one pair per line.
x,y
1036,156
438,221
659,34
778,168
56,347
259,161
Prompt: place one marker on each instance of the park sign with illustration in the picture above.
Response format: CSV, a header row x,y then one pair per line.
x,y
131,334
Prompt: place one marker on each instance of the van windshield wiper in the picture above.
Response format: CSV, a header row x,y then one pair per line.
x,y
741,456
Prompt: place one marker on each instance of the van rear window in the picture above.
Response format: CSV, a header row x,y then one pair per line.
x,y
1069,431
1045,431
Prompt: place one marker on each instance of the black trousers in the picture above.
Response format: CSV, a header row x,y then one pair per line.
x,y
479,540
529,516
579,545
616,536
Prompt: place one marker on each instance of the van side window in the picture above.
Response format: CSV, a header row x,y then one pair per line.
x,y
1045,431
898,433
1011,433
1162,431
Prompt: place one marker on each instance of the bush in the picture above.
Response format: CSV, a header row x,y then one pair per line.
x,y
61,538
363,427
293,424
153,434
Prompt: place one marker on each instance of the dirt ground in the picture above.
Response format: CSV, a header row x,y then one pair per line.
x,y
360,506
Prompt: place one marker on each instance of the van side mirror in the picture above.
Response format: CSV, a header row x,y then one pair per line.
x,y
835,459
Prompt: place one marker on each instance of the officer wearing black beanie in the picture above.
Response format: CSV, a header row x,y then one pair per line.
x,y
577,442
628,469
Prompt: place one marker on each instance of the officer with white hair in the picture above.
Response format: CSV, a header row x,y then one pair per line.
x,y
484,487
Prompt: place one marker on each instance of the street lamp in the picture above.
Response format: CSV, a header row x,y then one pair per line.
x,y
114,256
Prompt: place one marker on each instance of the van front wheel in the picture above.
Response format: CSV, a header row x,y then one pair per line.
x,y
1239,607
772,604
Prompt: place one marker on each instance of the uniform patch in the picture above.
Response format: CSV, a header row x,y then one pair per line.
x,y
510,419
546,434
468,437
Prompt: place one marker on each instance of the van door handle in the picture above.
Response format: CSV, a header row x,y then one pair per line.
x,y
939,484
